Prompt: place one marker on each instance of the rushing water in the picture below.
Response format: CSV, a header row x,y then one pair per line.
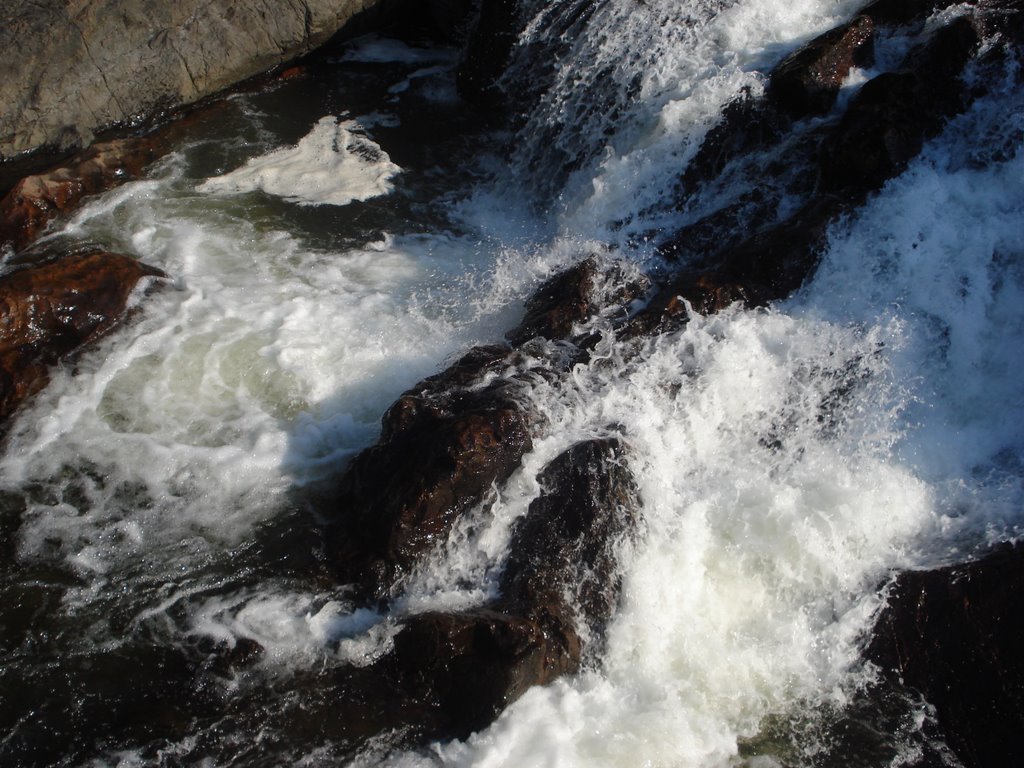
x,y
334,238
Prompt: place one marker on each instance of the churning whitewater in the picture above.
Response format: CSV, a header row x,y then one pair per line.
x,y
788,459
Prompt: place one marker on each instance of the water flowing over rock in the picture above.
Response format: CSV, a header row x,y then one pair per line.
x,y
889,119
37,200
882,128
443,445
454,673
808,81
52,309
955,635
685,503
572,297
567,542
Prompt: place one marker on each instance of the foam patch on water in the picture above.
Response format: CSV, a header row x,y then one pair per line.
x,y
335,164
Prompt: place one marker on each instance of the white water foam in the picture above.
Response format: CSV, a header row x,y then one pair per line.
x,y
639,87
266,364
335,164
788,459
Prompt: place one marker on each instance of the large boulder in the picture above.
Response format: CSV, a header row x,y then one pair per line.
x,y
955,634
444,444
71,69
48,311
454,673
563,567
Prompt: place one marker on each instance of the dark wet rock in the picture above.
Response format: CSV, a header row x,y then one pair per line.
x,y
569,298
488,51
443,445
807,82
889,119
899,12
464,669
38,199
747,125
955,634
49,310
885,125
765,267
563,565
452,674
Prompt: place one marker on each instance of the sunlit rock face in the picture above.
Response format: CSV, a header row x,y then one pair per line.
x,y
72,69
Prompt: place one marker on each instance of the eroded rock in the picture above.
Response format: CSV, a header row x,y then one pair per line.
x,y
48,311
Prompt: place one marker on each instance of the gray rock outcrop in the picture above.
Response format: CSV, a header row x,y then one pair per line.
x,y
72,67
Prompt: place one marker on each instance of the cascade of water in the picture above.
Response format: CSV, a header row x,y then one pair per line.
x,y
787,458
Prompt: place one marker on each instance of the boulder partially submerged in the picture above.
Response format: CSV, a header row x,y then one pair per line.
x,y
48,311
449,674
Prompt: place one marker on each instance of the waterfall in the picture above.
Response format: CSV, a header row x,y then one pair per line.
x,y
789,458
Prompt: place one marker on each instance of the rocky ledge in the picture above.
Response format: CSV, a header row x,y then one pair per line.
x,y
72,69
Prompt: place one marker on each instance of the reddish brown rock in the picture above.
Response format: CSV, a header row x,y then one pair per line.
x,y
454,673
562,568
569,298
443,445
955,634
36,200
807,82
462,670
49,310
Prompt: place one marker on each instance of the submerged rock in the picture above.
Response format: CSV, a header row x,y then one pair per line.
x,y
955,634
49,310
